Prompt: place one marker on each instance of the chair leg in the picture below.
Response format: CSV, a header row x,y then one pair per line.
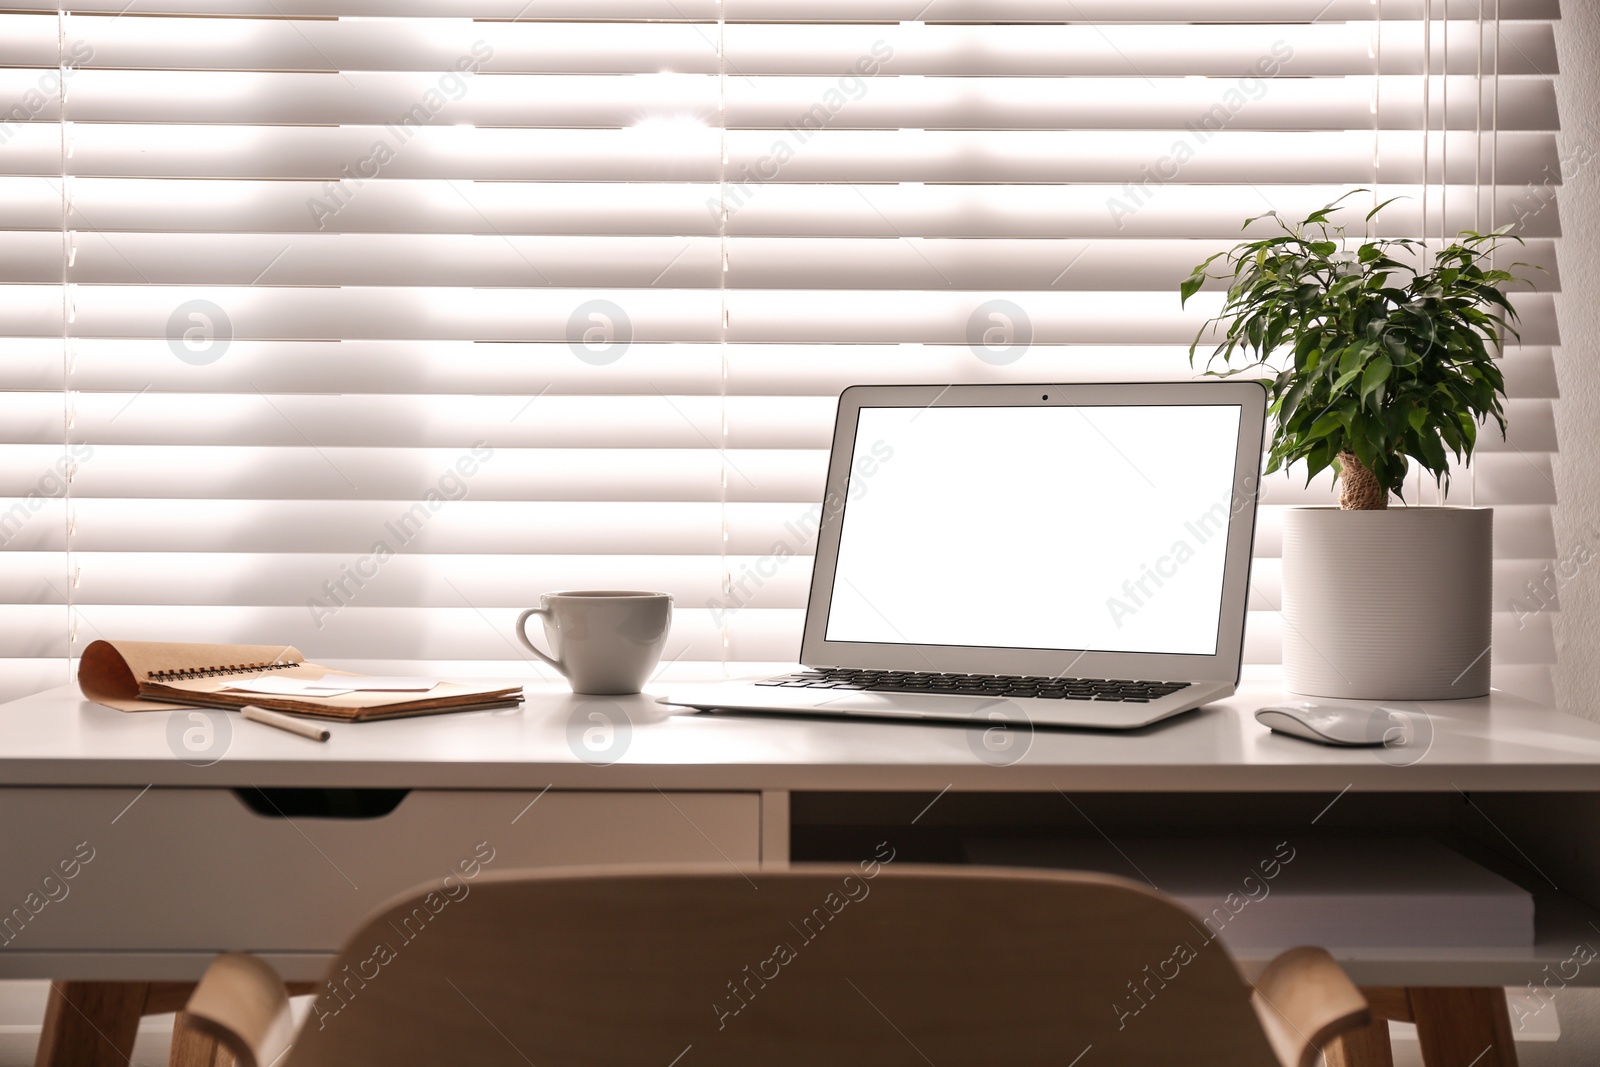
x,y
191,1048
1460,1027
90,1024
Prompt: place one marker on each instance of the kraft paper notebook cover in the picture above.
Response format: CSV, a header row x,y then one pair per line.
x,y
161,676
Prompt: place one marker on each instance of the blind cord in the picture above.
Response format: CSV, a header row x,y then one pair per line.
x,y
722,347
68,406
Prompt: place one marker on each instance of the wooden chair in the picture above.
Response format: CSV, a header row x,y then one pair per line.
x,y
873,964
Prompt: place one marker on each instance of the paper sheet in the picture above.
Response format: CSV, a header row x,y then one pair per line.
x,y
331,685
288,687
378,683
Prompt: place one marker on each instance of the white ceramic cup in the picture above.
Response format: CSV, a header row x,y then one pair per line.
x,y
606,641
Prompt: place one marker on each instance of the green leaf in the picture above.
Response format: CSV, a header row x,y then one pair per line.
x,y
1376,374
1380,207
1318,462
1326,425
1343,381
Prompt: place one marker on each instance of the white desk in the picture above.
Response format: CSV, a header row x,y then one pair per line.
x,y
183,868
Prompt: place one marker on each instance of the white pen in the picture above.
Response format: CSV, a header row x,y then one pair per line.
x,y
267,717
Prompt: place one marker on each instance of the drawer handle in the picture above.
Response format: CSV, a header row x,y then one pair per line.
x,y
281,803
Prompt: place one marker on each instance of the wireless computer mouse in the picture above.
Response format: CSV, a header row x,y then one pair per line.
x,y
1330,724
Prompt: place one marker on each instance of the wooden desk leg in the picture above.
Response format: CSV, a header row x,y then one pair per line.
x,y
90,1024
1462,1027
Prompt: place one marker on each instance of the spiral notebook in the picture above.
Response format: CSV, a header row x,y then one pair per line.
x,y
163,676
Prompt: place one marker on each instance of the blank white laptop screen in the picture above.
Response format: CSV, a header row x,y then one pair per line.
x,y
1075,528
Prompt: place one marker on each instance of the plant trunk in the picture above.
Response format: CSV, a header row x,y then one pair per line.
x,y
1358,486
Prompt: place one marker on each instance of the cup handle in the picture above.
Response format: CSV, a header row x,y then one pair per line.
x,y
522,635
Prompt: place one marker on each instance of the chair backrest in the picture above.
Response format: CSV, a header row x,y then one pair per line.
x,y
870,964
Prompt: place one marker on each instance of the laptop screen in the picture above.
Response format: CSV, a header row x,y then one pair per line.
x,y
1099,528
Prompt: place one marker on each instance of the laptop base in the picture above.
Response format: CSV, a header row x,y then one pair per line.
x,y
1099,715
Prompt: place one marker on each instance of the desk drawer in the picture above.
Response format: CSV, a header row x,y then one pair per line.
x,y
174,869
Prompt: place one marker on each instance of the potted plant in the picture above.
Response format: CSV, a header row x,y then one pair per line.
x,y
1379,356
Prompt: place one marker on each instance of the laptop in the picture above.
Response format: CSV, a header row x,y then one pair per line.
x,y
1071,555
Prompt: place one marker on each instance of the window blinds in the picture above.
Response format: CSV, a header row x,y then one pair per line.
x,y
356,326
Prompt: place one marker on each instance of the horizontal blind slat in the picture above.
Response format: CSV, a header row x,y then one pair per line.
x,y
1116,11
349,154
453,368
1325,48
348,526
640,475
393,103
489,260
427,422
1084,211
773,315
215,472
842,11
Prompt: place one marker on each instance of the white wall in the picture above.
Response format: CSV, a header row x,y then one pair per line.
x,y
1577,516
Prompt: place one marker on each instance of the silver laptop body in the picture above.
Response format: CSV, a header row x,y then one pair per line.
x,y
1072,555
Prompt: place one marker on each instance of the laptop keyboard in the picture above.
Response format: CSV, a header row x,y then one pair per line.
x,y
989,685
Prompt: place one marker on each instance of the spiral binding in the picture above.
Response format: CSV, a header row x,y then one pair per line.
x,y
213,672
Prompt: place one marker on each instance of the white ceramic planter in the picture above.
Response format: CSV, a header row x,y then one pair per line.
x,y
1387,605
